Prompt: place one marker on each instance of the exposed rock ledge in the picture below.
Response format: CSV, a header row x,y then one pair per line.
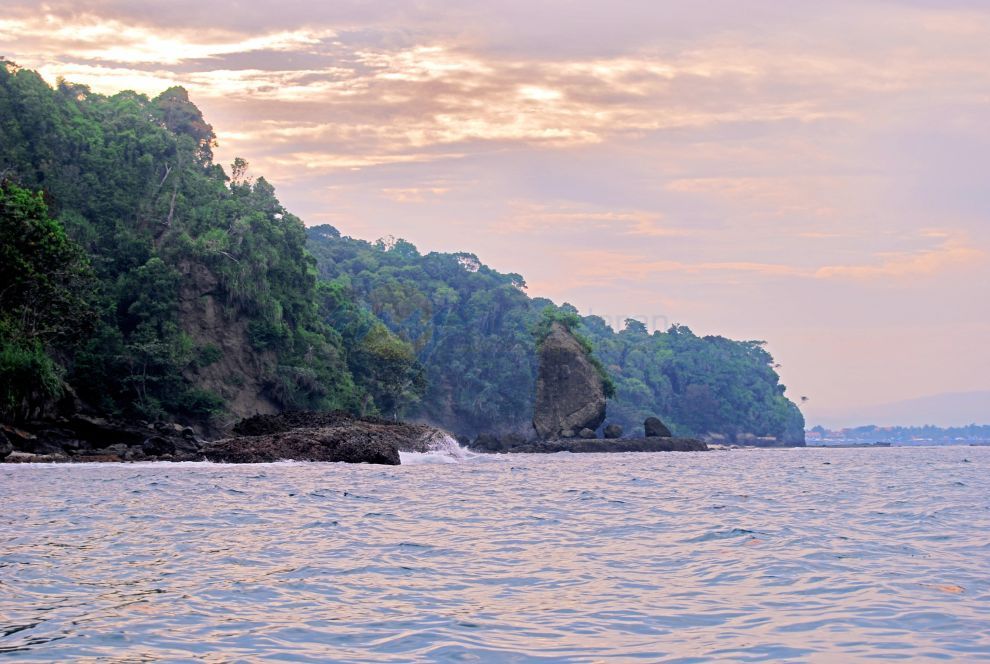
x,y
297,436
580,445
304,436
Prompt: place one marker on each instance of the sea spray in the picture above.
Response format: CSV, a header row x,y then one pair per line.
x,y
437,447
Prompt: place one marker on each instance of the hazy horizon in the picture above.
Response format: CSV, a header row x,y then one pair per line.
x,y
813,176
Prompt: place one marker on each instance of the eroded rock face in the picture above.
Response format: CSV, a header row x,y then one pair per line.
x,y
211,325
307,436
325,444
569,392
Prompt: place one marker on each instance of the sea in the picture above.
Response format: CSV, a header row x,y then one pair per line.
x,y
742,555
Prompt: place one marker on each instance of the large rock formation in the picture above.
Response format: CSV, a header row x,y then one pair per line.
x,y
569,391
306,436
239,372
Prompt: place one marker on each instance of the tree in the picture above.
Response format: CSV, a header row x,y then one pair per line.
x,y
44,300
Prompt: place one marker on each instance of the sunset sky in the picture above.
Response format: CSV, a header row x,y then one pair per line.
x,y
815,174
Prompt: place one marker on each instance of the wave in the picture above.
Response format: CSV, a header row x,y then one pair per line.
x,y
439,447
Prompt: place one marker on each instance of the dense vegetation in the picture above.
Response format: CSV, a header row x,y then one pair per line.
x,y
131,184
144,280
473,330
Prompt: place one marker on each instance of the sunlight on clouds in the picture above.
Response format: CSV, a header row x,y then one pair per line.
x,y
537,93
951,254
613,266
536,218
91,37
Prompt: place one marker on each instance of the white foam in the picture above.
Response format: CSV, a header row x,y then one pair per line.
x,y
441,448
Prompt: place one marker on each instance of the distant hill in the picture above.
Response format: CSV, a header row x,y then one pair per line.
x,y
944,410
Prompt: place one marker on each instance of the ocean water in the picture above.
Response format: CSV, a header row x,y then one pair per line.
x,y
832,555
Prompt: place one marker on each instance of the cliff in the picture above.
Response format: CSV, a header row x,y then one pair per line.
x,y
570,395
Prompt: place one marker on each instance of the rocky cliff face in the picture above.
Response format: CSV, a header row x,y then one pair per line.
x,y
569,392
238,371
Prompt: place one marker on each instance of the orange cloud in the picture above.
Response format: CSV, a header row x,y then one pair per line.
x,y
953,253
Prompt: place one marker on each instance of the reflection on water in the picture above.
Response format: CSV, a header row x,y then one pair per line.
x,y
756,555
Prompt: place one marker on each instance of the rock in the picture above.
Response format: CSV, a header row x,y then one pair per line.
x,y
27,457
188,433
21,457
102,432
620,445
307,436
47,446
326,444
168,427
187,449
20,439
157,446
613,431
655,428
587,434
487,442
6,447
210,322
570,395
117,449
134,453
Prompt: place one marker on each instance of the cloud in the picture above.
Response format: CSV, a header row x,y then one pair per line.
x,y
526,217
951,254
110,40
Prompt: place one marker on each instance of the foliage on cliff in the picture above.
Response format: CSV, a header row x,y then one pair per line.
x,y
132,182
44,300
473,331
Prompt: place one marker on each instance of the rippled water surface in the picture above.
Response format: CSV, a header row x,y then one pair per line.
x,y
822,555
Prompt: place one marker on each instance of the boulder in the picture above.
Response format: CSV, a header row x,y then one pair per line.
x,y
334,436
158,446
20,440
656,429
326,444
27,457
570,395
587,434
613,431
6,447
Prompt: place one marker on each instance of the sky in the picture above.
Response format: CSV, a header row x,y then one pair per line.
x,y
810,174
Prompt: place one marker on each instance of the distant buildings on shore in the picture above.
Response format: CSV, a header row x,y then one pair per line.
x,y
973,434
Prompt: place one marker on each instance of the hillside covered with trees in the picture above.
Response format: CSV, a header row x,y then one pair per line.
x,y
143,280
472,329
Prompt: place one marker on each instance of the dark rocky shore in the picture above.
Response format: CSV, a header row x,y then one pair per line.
x,y
299,436
580,445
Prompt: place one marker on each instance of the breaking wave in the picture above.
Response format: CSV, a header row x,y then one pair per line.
x,y
438,447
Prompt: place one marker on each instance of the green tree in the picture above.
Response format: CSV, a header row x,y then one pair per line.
x,y
44,301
